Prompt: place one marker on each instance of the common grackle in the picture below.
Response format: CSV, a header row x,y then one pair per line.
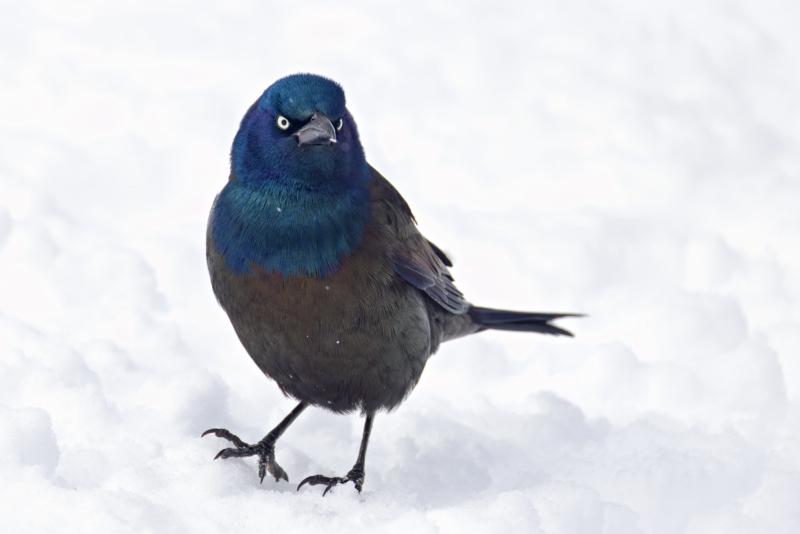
x,y
319,264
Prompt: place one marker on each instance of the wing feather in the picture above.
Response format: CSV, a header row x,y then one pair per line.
x,y
421,263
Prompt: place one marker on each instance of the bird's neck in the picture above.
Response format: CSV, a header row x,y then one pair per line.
x,y
288,228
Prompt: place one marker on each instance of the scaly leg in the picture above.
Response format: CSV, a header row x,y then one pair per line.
x,y
264,449
356,474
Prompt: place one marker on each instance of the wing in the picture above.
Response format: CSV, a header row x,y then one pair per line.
x,y
417,260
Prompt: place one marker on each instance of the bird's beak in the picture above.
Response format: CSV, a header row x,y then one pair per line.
x,y
318,131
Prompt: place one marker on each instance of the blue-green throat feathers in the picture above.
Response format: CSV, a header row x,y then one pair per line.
x,y
294,231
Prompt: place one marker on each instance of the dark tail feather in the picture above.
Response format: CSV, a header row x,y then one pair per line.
x,y
519,321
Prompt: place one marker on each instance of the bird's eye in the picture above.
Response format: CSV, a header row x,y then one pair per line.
x,y
339,124
282,122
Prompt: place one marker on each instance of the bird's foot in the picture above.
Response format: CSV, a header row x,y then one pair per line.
x,y
264,449
356,476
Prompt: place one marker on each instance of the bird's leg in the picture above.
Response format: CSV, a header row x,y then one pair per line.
x,y
264,449
356,474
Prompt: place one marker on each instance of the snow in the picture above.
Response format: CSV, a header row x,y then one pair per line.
x,y
638,162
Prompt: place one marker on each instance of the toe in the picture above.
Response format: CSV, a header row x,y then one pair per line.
x,y
316,480
224,453
278,472
225,434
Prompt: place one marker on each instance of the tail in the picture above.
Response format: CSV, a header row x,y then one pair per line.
x,y
490,319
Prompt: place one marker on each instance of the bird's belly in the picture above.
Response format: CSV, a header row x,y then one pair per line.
x,y
332,343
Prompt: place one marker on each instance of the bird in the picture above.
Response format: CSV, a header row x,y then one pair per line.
x,y
318,262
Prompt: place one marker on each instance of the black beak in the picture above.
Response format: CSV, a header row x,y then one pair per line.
x,y
318,131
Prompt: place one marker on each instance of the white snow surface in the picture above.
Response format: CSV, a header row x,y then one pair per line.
x,y
635,161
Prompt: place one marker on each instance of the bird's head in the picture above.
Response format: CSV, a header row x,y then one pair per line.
x,y
300,132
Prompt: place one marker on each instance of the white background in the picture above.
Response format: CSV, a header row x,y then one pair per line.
x,y
636,161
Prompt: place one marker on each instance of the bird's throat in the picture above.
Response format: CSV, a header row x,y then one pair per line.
x,y
293,230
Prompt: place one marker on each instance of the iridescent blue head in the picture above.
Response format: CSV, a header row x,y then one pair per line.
x,y
297,201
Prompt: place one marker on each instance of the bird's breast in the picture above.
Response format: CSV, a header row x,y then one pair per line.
x,y
357,337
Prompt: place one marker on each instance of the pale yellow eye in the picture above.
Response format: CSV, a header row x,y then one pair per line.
x,y
283,122
339,125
